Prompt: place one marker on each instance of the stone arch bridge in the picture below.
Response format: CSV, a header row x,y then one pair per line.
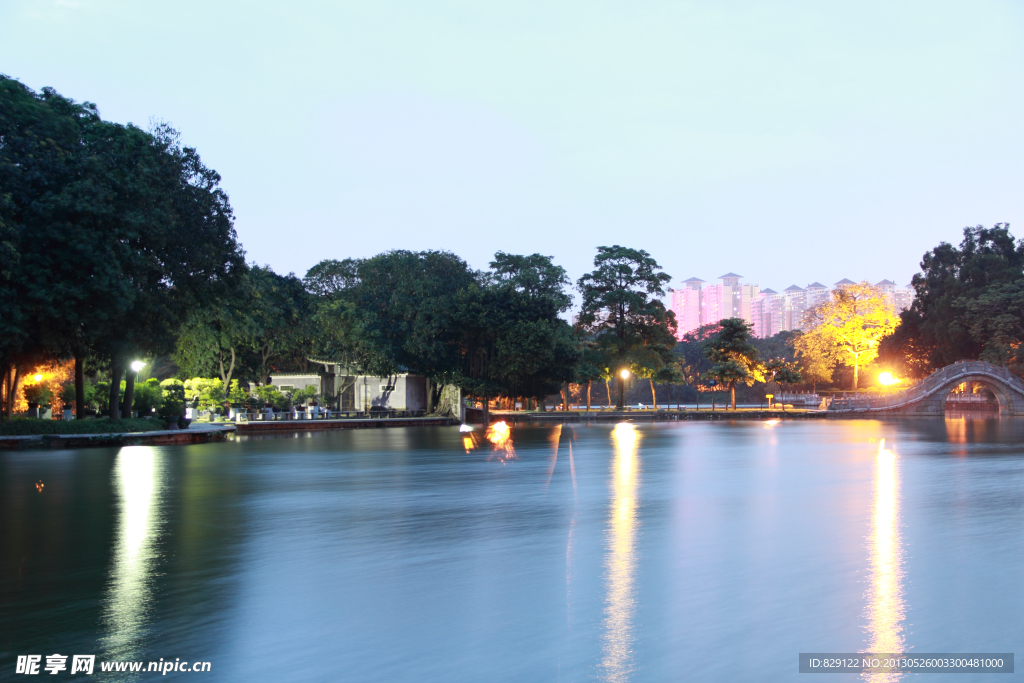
x,y
928,397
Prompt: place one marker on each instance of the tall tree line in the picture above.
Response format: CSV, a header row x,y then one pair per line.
x,y
109,236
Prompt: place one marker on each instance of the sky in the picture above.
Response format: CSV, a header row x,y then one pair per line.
x,y
789,142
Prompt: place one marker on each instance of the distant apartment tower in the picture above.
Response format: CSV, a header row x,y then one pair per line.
x,y
696,305
686,306
900,297
767,310
774,312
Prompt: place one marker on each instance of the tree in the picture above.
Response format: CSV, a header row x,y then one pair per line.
x,y
406,304
849,327
995,320
691,363
118,233
210,340
933,332
512,339
734,358
783,372
246,329
623,313
592,367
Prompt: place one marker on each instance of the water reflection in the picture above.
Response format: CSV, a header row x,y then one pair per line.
x,y
620,565
886,609
136,473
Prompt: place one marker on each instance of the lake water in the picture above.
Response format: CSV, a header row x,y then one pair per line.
x,y
647,552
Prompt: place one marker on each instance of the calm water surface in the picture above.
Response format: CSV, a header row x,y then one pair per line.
x,y
700,551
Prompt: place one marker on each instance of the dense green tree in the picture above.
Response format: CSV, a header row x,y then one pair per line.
x,y
406,303
933,332
995,321
117,233
733,356
512,339
331,279
691,363
622,311
280,314
593,367
783,372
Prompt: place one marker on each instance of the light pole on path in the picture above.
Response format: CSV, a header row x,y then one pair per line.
x,y
623,376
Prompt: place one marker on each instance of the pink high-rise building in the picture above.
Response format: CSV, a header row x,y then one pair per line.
x,y
686,306
696,305
768,311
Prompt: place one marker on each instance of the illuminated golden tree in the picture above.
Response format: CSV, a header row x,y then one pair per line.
x,y
847,329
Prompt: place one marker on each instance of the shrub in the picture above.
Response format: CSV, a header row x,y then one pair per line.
x,y
237,394
207,393
38,393
148,396
67,395
173,398
99,396
305,395
269,395
30,426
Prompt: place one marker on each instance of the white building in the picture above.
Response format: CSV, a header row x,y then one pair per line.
x,y
350,391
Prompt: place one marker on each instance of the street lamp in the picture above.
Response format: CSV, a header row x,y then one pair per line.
x,y
623,376
137,366
38,378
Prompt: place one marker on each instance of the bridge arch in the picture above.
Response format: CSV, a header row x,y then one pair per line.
x,y
928,397
1004,396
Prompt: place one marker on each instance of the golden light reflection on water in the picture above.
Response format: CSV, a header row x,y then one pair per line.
x,y
136,473
886,609
620,564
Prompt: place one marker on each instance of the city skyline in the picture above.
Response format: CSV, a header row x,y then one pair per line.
x,y
770,312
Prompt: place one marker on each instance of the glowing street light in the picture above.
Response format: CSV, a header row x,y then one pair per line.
x,y
886,379
38,378
137,366
623,376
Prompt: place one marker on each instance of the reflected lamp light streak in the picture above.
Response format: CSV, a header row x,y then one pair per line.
x,y
886,608
620,564
128,592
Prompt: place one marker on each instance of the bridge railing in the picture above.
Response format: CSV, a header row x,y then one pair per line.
x,y
928,386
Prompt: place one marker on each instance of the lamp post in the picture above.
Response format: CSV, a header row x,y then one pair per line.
x,y
623,376
129,386
137,366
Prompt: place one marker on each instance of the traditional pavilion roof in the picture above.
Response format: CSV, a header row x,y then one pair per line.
x,y
884,283
816,285
694,279
845,281
722,277
768,290
794,288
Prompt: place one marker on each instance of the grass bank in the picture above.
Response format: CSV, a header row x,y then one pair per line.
x,y
28,426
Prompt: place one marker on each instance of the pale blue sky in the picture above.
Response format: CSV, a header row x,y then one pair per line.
x,y
785,141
